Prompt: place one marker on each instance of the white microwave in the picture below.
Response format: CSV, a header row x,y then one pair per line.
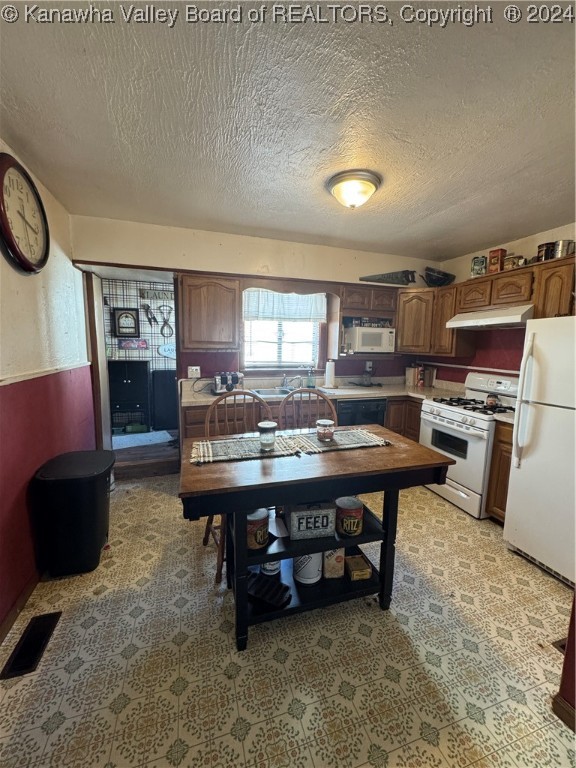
x,y
358,339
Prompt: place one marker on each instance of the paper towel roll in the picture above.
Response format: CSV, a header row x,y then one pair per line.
x,y
329,376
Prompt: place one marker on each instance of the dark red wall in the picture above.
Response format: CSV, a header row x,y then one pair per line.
x,y
500,348
39,419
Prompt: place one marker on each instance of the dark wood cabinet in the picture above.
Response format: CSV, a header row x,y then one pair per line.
x,y
412,419
208,312
362,297
129,383
403,417
499,471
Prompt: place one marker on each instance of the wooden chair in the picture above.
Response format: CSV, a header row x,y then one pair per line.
x,y
301,408
230,414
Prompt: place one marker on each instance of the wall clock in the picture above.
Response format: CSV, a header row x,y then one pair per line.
x,y
24,236
126,323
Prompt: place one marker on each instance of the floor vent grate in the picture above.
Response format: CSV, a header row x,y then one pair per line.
x,y
29,649
560,645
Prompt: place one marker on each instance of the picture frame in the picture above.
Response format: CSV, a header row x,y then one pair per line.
x,y
126,322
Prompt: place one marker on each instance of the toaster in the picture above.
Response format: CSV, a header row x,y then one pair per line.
x,y
226,382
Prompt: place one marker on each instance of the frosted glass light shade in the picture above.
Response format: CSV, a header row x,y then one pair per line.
x,y
354,188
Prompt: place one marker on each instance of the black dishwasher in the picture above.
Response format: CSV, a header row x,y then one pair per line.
x,y
368,411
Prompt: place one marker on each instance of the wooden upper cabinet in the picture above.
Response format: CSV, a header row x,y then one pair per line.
x,y
473,294
354,297
208,312
384,298
414,324
553,289
363,297
512,288
444,308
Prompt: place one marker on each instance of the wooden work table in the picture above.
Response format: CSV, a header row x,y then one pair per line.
x,y
239,487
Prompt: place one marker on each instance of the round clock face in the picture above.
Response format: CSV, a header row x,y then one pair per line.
x,y
23,224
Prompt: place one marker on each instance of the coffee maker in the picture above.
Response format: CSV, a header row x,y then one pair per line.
x,y
227,382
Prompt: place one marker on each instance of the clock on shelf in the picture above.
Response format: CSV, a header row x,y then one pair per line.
x,y
24,237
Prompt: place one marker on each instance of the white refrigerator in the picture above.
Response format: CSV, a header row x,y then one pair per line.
x,y
541,506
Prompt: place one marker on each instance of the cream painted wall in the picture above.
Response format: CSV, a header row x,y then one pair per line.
x,y
527,247
132,244
42,324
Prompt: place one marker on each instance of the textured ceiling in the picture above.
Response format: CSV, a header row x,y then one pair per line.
x,y
236,127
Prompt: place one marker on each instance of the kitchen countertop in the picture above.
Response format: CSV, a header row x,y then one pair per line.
x,y
190,398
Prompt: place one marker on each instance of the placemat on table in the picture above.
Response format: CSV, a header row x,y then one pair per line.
x,y
352,438
240,448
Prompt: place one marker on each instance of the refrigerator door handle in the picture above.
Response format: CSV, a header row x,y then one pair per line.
x,y
516,447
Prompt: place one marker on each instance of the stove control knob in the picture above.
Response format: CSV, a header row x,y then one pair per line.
x,y
464,420
472,421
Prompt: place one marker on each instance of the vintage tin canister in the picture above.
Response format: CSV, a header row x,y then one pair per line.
x,y
257,528
349,516
308,568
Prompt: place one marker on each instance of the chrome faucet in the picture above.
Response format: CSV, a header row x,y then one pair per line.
x,y
286,380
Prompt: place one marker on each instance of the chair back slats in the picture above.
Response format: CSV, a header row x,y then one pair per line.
x,y
234,413
301,409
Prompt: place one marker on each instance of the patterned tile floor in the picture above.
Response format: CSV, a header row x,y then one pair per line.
x,y
143,671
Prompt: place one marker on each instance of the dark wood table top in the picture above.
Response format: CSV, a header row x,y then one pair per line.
x,y
360,469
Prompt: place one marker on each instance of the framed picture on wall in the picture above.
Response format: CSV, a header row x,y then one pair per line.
x,y
125,323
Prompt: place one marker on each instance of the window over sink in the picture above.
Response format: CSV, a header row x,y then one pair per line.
x,y
282,330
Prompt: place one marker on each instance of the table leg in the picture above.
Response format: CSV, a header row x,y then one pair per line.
x,y
240,578
230,565
388,547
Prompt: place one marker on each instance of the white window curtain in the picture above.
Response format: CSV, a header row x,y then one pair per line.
x,y
260,304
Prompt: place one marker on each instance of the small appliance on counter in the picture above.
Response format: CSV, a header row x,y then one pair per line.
x,y
226,382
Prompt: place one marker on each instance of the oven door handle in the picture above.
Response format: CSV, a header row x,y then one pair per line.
x,y
454,428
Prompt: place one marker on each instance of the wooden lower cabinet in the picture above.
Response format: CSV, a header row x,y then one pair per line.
x,y
193,417
412,420
499,471
396,415
403,417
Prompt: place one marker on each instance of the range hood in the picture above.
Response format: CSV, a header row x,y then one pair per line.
x,y
497,317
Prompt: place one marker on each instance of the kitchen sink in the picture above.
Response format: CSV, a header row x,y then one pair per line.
x,y
274,391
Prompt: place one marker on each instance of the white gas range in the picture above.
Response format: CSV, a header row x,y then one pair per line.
x,y
463,428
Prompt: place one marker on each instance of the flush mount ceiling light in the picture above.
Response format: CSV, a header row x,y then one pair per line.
x,y
354,188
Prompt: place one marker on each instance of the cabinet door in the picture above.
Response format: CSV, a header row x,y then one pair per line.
x,y
396,415
129,381
444,309
414,324
473,294
499,471
512,288
356,297
553,292
384,298
208,312
412,419
193,418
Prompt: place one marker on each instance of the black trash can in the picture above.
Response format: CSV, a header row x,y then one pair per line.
x,y
70,506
